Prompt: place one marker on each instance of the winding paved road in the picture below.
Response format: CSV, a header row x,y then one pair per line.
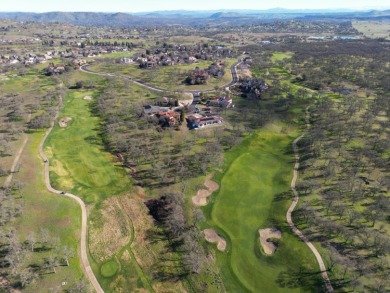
x,y
233,70
294,204
83,238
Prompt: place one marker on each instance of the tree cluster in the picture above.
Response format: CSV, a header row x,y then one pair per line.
x,y
183,238
345,165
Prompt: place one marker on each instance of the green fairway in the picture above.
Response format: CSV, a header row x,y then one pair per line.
x,y
255,194
279,56
78,162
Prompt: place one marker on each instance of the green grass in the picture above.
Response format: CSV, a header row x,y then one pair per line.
x,y
78,162
32,83
279,56
168,77
60,216
109,268
258,174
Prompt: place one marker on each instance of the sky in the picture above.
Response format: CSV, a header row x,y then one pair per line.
x,y
156,5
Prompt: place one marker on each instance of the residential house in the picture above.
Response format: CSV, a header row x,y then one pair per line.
x,y
223,102
194,121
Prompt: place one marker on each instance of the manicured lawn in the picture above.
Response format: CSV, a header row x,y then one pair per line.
x,y
280,56
255,194
78,162
109,269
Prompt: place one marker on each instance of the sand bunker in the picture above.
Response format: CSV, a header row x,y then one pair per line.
x,y
89,98
200,199
64,121
265,239
211,236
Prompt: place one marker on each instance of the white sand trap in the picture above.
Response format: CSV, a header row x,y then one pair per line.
x,y
200,199
265,239
89,98
64,121
211,236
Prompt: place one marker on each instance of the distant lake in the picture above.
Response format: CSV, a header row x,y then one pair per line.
x,y
333,37
345,37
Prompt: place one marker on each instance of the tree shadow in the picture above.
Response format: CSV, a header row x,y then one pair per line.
x,y
301,278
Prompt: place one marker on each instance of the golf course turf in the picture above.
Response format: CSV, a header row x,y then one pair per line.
x,y
79,164
255,194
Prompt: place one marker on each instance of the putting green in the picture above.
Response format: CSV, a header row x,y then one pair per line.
x,y
78,162
260,169
109,269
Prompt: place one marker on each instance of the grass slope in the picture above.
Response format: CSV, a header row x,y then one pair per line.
x,y
78,162
80,165
168,77
60,216
255,194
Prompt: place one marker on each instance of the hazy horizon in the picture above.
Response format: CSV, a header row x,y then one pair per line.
x,y
114,6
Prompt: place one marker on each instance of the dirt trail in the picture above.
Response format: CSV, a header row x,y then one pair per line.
x,y
17,158
15,163
294,204
84,215
200,199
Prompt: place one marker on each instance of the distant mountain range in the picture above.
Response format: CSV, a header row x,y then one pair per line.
x,y
183,17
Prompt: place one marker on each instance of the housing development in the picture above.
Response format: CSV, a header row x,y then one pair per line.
x,y
224,150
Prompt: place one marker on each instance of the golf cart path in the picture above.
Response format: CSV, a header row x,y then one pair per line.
x,y
294,204
83,238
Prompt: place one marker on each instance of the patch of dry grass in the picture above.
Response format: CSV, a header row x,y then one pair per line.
x,y
110,233
146,253
373,29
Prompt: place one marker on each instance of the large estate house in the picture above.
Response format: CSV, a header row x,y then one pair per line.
x,y
197,121
223,102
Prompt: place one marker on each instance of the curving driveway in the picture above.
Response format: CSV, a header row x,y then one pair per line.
x,y
84,215
294,204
